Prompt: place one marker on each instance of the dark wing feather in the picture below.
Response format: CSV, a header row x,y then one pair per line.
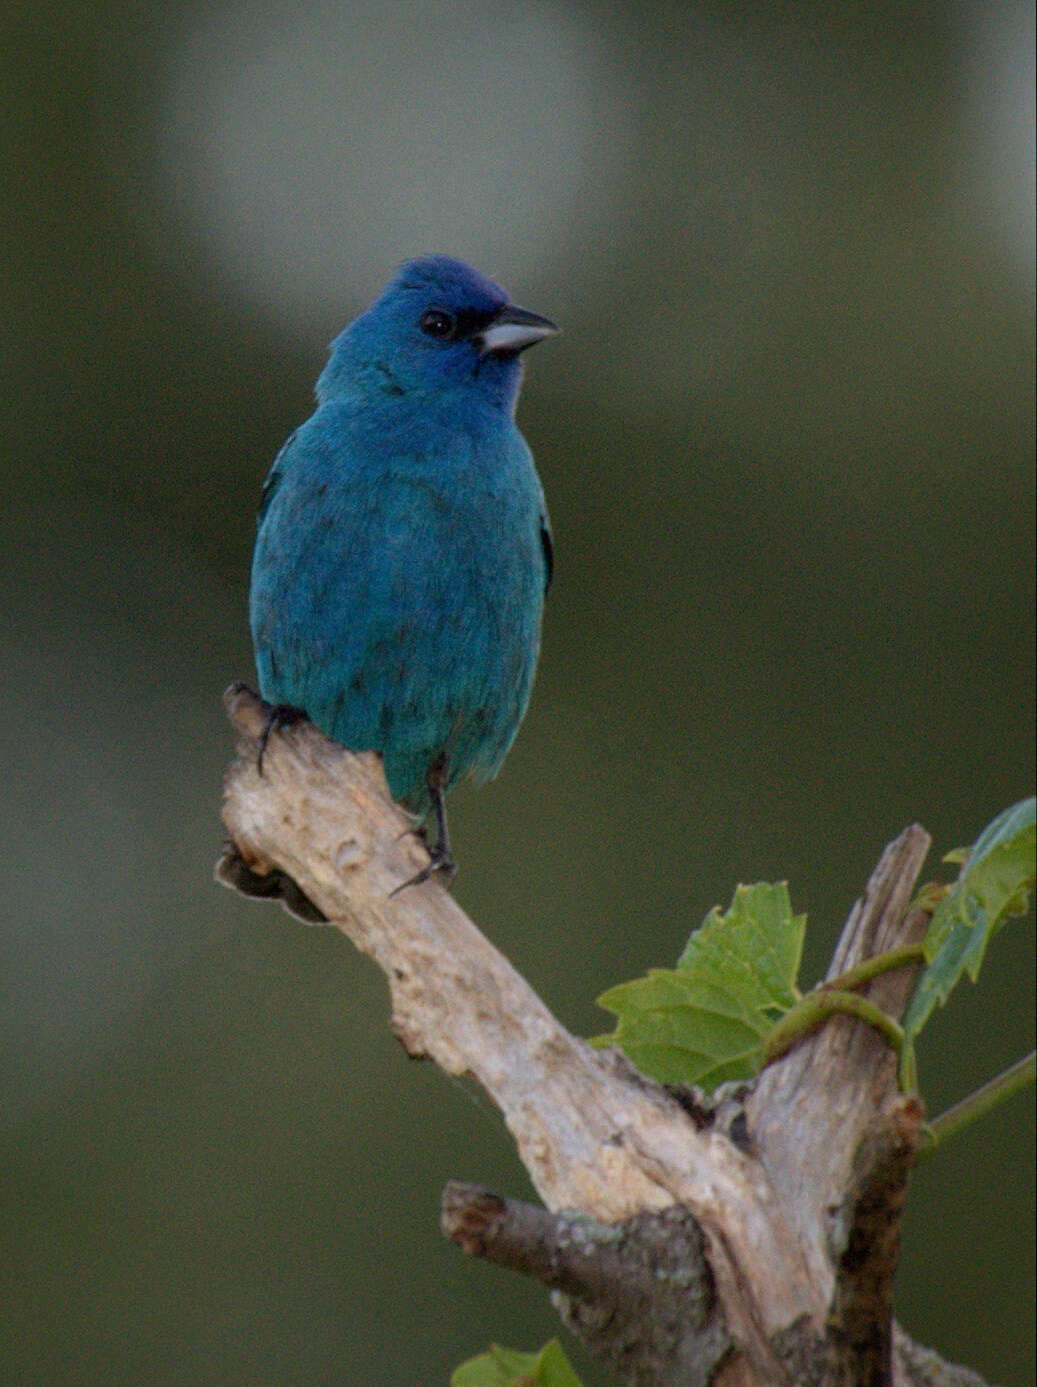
x,y
273,480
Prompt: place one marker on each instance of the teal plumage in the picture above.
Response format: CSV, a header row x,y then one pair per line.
x,y
403,550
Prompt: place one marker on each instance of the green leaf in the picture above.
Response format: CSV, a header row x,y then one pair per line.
x,y
957,856
508,1367
994,883
704,1021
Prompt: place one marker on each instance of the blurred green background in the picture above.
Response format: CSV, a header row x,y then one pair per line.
x,y
787,438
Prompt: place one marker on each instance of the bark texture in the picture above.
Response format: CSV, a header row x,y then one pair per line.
x,y
746,1242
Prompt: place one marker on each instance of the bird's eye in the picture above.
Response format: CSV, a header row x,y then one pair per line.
x,y
438,324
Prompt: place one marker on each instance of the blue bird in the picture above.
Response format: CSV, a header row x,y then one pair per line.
x,y
404,548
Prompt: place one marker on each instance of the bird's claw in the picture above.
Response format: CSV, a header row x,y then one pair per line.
x,y
278,717
439,863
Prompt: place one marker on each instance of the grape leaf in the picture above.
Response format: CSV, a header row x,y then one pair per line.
x,y
508,1367
994,883
704,1021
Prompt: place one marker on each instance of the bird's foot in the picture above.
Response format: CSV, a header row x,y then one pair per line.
x,y
440,858
439,862
278,717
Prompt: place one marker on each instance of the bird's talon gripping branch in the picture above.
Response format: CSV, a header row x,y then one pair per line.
x,y
440,856
440,863
278,717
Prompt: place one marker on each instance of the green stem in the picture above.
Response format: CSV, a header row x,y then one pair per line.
x,y
978,1104
813,1011
873,967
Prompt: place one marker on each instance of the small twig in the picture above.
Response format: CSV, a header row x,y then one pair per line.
x,y
567,1252
992,1094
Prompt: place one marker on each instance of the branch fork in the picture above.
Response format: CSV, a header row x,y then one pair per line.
x,y
680,1254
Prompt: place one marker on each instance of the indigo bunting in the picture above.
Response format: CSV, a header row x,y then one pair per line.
x,y
404,549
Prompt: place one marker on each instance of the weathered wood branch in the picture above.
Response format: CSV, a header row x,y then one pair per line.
x,y
641,1290
779,1208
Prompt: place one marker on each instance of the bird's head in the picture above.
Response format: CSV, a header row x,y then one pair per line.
x,y
438,326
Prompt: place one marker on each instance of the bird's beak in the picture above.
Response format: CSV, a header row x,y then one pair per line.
x,y
514,329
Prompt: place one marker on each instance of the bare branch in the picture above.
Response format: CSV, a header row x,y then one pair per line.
x,y
793,1193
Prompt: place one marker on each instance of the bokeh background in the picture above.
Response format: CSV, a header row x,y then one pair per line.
x,y
787,439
